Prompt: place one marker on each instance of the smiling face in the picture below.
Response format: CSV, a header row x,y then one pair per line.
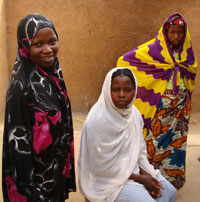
x,y
122,91
44,47
175,36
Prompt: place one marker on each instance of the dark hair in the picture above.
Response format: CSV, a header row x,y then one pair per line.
x,y
124,72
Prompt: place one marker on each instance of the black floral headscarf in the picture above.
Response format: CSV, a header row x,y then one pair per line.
x,y
38,146
27,29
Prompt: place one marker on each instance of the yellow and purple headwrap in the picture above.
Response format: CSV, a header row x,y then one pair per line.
x,y
153,65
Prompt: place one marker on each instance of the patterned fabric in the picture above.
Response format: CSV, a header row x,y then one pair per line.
x,y
174,20
167,139
38,149
153,64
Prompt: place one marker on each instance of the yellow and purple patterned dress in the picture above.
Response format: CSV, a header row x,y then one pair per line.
x,y
165,84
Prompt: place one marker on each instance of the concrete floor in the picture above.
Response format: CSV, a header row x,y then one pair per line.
x,y
191,190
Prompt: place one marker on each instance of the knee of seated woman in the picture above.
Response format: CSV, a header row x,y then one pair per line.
x,y
169,189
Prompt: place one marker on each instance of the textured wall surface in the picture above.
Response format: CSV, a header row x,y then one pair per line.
x,y
94,33
3,58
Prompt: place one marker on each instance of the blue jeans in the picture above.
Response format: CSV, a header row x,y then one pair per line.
x,y
134,193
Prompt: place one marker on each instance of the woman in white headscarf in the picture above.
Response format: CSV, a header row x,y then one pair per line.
x,y
112,151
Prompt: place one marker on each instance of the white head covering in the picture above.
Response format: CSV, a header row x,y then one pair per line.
x,y
111,144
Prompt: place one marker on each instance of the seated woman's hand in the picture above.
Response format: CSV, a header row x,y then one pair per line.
x,y
152,185
158,194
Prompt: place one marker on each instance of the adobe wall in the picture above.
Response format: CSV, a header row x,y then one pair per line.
x,y
3,58
94,33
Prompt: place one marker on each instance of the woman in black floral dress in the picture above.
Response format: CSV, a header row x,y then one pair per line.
x,y
38,149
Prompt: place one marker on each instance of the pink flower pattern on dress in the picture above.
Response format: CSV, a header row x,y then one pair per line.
x,y
54,119
13,194
24,52
66,170
57,83
41,136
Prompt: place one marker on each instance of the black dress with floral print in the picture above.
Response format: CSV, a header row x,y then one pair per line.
x,y
38,149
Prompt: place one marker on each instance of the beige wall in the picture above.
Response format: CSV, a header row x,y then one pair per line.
x,y
94,33
3,58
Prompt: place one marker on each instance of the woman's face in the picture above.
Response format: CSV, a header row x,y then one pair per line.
x,y
175,35
122,91
44,47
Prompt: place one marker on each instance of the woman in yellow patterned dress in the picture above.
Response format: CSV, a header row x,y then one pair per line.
x,y
165,68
